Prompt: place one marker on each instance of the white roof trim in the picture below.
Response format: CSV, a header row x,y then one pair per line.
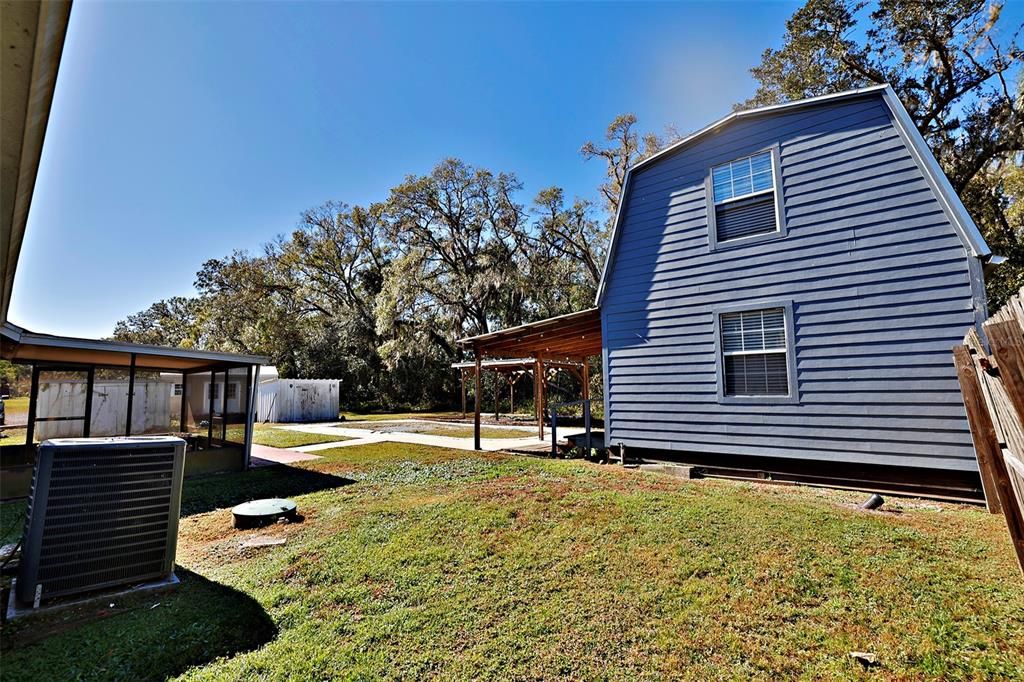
x,y
746,113
954,208
22,336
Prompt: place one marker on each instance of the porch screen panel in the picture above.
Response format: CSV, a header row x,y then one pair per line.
x,y
60,404
109,402
151,404
236,407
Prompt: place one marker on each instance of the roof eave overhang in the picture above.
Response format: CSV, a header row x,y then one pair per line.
x,y
21,344
33,40
571,336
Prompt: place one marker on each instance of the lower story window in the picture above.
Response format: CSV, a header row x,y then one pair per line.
x,y
754,352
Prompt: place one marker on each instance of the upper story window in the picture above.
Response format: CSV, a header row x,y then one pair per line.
x,y
743,177
754,353
744,198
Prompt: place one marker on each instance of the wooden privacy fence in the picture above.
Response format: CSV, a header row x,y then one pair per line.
x,y
993,391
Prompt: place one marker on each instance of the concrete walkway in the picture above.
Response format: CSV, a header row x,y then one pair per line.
x,y
364,436
264,455
369,424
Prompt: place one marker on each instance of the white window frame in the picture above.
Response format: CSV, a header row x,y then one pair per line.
x,y
752,192
780,221
793,397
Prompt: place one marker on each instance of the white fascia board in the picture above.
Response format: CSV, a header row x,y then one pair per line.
x,y
725,120
969,233
759,111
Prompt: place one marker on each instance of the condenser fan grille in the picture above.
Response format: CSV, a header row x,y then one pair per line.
x,y
101,514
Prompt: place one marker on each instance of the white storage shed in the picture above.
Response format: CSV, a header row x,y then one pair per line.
x,y
296,400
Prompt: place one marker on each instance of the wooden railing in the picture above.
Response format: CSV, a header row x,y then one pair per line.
x,y
992,384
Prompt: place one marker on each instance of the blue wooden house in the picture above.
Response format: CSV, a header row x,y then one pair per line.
x,y
782,293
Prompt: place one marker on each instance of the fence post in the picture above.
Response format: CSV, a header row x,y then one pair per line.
x,y
983,432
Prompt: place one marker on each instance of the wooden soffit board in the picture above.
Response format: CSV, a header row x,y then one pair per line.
x,y
567,336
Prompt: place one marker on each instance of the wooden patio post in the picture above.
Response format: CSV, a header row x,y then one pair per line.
x,y
462,385
476,403
585,378
497,376
538,394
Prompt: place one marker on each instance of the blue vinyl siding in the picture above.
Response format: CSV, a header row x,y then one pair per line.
x,y
879,280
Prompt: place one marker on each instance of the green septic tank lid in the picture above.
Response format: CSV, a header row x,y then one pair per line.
x,y
262,512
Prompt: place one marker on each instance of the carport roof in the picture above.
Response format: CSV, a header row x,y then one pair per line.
x,y
572,336
21,345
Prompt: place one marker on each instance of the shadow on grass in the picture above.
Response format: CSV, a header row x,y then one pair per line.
x,y
12,520
144,636
207,493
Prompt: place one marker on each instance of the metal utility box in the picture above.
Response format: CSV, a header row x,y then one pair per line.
x,y
102,512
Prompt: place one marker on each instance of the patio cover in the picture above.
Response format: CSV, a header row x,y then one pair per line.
x,y
20,345
556,341
62,352
566,337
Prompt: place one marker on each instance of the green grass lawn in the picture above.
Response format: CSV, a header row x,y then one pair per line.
x,y
16,407
416,562
15,412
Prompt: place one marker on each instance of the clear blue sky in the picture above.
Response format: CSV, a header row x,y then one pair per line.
x,y
181,131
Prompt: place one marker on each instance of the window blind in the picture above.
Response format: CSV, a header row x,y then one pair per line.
x,y
754,352
744,204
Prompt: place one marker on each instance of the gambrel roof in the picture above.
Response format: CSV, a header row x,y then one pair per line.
x,y
954,209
